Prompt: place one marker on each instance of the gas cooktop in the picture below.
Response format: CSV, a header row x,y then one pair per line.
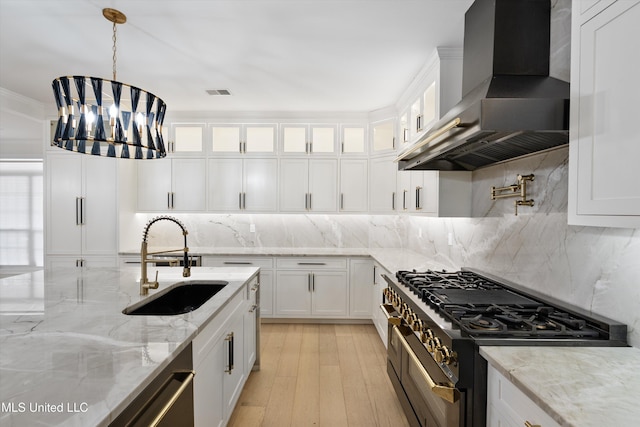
x,y
483,307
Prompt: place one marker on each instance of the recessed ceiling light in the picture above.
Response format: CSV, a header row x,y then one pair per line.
x,y
218,92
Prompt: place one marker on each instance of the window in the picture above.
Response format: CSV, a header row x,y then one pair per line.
x,y
21,214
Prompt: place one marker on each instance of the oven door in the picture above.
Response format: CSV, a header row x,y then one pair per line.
x,y
435,401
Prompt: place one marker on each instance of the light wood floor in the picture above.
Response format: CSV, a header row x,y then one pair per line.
x,y
319,375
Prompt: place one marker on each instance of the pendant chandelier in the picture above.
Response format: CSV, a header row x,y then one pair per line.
x,y
106,117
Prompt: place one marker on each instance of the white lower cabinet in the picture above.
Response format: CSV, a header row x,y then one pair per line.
x,y
219,363
308,287
251,324
361,277
508,406
378,317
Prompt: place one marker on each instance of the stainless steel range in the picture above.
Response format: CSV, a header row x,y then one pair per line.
x,y
438,320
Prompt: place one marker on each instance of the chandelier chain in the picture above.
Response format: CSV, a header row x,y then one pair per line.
x,y
114,51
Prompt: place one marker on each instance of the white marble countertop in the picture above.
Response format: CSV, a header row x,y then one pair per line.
x,y
68,356
577,386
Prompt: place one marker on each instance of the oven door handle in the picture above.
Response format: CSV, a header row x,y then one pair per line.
x,y
387,309
445,392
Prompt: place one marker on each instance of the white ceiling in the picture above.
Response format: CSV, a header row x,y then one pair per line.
x,y
273,55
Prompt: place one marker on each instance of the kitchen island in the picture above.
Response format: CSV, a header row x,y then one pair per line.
x,y
69,356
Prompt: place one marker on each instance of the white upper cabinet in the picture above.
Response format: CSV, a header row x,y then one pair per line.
x,y
604,135
383,136
309,139
353,139
243,185
308,185
354,178
187,139
432,94
382,185
172,184
434,193
259,139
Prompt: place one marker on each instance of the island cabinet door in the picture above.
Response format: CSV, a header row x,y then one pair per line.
x,y
207,388
218,360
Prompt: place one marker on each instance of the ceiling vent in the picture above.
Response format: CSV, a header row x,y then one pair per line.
x,y
218,92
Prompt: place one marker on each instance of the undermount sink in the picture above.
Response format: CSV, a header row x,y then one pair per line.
x,y
180,298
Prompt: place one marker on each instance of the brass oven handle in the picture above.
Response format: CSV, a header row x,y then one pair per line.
x,y
447,393
187,381
391,319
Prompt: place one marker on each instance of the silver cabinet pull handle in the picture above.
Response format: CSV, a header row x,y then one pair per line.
x,y
82,211
418,206
341,201
77,210
393,201
312,263
237,263
229,339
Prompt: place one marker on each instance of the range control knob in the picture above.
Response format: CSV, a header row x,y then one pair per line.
x,y
445,355
426,334
417,324
433,344
405,310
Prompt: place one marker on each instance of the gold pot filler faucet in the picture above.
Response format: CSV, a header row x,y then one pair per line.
x,y
145,284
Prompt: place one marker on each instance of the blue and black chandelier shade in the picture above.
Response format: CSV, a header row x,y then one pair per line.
x,y
108,118
127,125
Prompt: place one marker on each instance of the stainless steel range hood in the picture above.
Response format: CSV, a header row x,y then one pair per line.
x,y
510,106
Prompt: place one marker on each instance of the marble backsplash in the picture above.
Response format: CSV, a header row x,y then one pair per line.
x,y
597,269
594,268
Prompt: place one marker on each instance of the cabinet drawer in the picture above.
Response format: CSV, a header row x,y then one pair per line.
x,y
224,261
308,263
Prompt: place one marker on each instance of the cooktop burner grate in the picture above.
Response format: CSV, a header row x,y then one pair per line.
x,y
483,307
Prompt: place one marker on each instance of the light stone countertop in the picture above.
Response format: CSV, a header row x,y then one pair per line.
x,y
577,386
68,356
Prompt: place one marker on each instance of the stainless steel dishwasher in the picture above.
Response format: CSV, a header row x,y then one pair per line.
x,y
167,401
